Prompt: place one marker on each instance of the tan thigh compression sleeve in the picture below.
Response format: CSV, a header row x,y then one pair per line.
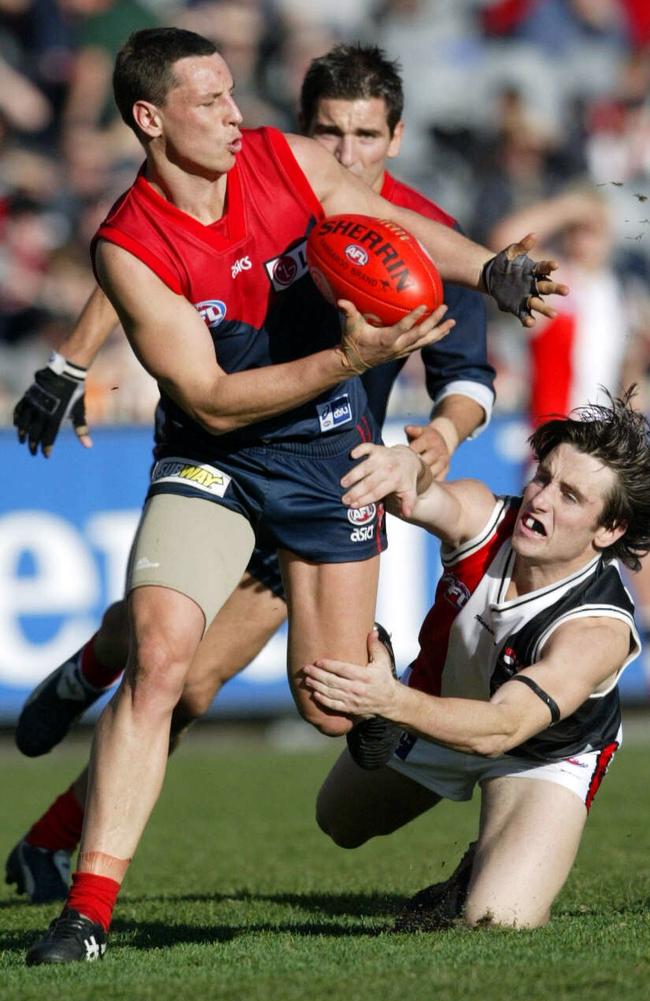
x,y
193,546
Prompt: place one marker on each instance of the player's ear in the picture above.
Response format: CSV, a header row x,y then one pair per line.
x,y
147,118
396,140
607,535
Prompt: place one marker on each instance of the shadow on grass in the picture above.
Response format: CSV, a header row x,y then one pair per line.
x,y
357,905
146,935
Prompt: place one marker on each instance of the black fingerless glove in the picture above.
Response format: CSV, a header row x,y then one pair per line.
x,y
56,393
511,283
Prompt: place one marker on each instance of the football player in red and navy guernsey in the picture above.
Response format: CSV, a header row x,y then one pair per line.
x,y
514,688
350,79
244,453
351,102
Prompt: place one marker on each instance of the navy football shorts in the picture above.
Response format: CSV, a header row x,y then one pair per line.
x,y
289,491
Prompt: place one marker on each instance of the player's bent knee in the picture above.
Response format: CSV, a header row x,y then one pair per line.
x,y
334,823
192,705
335,726
156,694
341,836
195,703
156,681
328,725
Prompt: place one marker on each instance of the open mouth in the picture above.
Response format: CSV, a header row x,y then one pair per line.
x,y
533,525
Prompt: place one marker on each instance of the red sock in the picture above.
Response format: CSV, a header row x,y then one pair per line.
x,y
60,825
93,671
93,896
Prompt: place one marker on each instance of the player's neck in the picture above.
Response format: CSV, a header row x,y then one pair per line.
x,y
528,576
379,183
203,198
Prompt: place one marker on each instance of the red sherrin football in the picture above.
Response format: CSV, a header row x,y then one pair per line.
x,y
375,264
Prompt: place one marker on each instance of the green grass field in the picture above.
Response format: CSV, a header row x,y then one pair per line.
x,y
236,895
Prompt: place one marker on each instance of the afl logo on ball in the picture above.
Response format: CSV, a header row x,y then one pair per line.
x,y
362,515
213,311
356,254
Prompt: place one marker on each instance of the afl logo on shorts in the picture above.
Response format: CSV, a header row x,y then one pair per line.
x,y
363,519
356,254
454,590
362,515
213,311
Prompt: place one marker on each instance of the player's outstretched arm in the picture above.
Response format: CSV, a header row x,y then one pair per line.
x,y
515,282
455,512
174,345
58,389
460,383
453,420
595,647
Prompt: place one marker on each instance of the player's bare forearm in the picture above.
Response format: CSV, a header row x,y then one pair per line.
x,y
454,418
455,512
594,646
174,345
242,398
462,413
96,322
405,482
468,725
396,474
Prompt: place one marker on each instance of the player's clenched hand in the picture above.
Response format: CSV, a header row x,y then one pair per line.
x,y
355,689
516,282
56,393
382,471
432,448
365,346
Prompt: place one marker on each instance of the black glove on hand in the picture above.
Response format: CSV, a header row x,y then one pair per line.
x,y
511,283
56,393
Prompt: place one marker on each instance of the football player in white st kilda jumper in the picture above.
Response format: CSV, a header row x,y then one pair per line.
x,y
518,665
474,638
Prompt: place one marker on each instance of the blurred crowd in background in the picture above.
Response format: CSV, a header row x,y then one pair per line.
x,y
532,113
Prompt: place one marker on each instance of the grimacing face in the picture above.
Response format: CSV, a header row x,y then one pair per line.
x,y
357,134
558,525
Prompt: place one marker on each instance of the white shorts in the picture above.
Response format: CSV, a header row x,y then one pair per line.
x,y
453,774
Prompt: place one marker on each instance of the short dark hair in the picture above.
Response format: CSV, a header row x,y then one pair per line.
x,y
352,73
143,66
619,436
